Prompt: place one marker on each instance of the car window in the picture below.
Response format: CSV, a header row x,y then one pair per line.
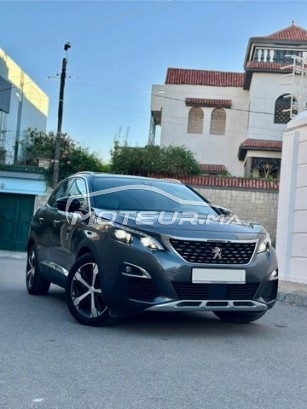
x,y
60,191
78,188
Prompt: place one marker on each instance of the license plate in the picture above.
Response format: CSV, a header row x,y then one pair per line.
x,y
218,275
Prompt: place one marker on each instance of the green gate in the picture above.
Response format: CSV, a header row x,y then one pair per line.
x,y
16,213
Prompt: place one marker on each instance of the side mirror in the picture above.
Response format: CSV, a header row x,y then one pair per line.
x,y
223,210
62,204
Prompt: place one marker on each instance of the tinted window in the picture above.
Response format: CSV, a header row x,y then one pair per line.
x,y
78,188
60,191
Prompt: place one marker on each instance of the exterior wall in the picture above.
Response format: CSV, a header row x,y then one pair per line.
x,y
211,149
257,206
292,214
28,107
23,183
264,90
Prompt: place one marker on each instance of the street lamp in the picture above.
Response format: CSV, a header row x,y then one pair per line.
x,y
55,175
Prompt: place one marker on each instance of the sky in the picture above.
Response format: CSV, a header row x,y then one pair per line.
x,y
119,49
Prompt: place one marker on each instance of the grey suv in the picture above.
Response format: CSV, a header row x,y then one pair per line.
x,y
124,245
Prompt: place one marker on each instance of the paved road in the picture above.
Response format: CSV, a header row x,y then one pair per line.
x,y
186,361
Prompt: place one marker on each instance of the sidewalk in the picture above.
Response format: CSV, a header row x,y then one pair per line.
x,y
288,291
292,293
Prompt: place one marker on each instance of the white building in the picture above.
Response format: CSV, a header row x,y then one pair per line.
x,y
23,105
234,122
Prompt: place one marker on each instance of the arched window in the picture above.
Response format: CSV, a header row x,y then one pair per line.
x,y
218,122
196,120
282,114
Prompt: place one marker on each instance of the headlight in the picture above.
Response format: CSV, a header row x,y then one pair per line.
x,y
121,235
264,243
127,236
151,243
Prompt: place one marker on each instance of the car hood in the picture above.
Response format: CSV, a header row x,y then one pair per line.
x,y
187,226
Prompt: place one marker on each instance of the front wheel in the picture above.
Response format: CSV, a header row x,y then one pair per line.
x,y
239,317
84,294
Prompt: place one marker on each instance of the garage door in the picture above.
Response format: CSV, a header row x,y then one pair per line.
x,y
16,213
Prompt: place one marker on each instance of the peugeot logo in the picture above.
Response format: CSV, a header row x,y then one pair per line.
x,y
217,253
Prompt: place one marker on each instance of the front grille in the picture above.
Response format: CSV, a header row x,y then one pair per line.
x,y
142,289
269,292
214,252
189,291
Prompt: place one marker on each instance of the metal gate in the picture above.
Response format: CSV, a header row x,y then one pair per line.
x,y
16,213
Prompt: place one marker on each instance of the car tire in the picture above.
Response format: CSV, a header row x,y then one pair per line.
x,y
35,282
84,294
239,317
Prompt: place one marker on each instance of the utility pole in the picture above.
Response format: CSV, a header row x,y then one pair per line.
x,y
19,115
56,164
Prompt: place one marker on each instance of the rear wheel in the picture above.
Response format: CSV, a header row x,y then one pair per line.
x,y
36,283
239,317
84,294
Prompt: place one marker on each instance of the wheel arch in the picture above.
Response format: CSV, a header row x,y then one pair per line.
x,y
86,248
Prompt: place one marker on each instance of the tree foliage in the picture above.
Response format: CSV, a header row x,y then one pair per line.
x,y
171,160
40,147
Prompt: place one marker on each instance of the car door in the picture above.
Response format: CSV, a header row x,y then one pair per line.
x,y
68,223
48,239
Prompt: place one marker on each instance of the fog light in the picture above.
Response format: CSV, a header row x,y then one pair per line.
x,y
132,270
274,275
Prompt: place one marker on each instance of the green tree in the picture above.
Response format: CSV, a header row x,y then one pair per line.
x,y
73,157
170,160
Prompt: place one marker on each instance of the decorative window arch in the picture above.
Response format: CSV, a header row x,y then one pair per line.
x,y
218,122
282,114
196,120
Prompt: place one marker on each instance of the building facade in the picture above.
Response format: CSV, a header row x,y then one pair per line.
x,y
234,122
23,105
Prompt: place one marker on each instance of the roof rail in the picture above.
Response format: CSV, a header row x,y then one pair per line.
x,y
87,172
171,180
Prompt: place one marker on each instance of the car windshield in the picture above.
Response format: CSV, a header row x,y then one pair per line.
x,y
139,195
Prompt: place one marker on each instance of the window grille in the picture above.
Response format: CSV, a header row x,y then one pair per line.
x,y
218,122
196,120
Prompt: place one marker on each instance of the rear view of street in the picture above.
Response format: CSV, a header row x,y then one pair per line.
x,y
184,361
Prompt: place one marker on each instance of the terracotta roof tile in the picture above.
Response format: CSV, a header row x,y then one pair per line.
x,y
292,32
206,167
177,76
262,144
202,102
269,66
258,144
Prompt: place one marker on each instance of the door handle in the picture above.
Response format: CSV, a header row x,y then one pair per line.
x,y
56,222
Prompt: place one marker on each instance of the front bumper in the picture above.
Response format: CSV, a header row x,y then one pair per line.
x,y
210,305
203,297
140,280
